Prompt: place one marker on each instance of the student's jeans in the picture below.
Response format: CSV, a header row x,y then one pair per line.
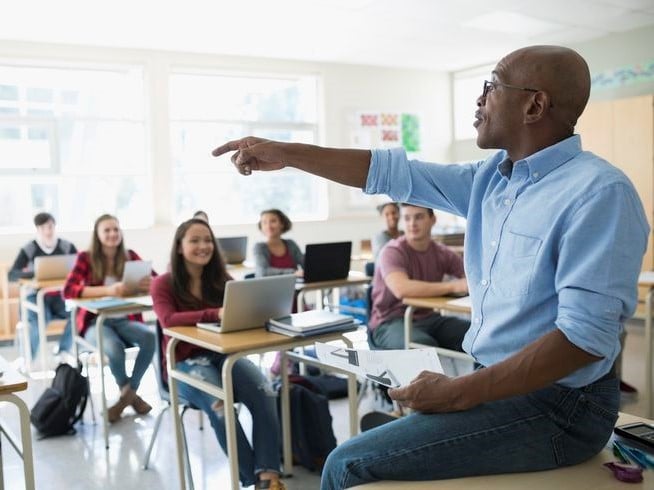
x,y
55,309
253,390
441,331
549,428
119,334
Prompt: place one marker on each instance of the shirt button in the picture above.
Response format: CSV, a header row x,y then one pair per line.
x,y
477,319
507,202
536,175
484,282
493,243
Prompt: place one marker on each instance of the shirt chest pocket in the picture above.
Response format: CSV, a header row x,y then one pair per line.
x,y
513,271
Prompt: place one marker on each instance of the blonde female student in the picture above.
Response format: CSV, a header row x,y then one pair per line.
x,y
193,292
98,272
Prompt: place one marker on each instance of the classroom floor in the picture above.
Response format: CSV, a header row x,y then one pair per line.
x,y
81,462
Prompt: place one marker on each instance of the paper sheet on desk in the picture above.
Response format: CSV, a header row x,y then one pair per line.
x,y
387,367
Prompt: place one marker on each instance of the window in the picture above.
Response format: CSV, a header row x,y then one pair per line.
x,y
467,87
73,143
207,109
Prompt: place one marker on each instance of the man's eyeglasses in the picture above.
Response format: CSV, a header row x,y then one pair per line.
x,y
490,86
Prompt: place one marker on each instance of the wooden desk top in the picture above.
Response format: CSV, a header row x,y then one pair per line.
x,y
228,343
436,303
646,278
590,475
11,380
34,284
354,279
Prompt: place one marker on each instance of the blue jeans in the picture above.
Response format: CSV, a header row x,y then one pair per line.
x,y
253,390
441,331
55,309
549,428
119,334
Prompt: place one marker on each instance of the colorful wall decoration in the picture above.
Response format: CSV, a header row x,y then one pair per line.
x,y
628,75
386,130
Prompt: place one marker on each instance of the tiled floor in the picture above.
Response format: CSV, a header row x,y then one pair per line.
x,y
80,462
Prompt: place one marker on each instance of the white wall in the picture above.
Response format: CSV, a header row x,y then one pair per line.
x,y
346,89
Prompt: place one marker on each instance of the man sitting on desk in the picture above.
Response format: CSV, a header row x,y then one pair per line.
x,y
414,265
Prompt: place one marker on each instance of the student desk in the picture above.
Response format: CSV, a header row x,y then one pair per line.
x,y
353,279
42,288
103,313
646,279
11,382
436,303
590,475
237,345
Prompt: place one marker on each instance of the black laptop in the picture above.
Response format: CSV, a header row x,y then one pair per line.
x,y
327,261
233,248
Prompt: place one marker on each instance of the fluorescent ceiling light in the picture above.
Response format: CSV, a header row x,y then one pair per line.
x,y
512,23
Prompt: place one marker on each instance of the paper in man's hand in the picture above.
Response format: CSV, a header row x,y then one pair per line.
x,y
391,368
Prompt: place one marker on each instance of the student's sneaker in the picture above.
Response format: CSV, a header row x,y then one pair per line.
x,y
375,419
270,485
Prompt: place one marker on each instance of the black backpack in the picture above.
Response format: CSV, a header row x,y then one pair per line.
x,y
62,405
311,427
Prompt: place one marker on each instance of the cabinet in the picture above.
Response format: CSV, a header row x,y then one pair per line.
x,y
622,132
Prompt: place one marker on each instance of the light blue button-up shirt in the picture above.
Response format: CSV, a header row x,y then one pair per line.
x,y
555,240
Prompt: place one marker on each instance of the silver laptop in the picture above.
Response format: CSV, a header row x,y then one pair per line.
x,y
53,266
233,248
249,303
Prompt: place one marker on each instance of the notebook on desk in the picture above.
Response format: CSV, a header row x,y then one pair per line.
x,y
326,261
233,248
250,303
51,267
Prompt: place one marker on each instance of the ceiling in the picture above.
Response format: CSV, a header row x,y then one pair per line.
x,y
429,34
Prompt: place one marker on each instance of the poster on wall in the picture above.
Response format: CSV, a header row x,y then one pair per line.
x,y
373,129
378,129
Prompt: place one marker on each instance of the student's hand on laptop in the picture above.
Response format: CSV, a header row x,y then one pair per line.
x,y
459,286
220,313
299,273
253,154
431,393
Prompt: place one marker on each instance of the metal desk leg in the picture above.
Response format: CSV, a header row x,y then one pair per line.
x,y
648,358
43,336
230,421
27,347
174,410
26,438
300,301
105,416
352,396
286,418
408,326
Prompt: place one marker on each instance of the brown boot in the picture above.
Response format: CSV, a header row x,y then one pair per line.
x,y
127,395
140,406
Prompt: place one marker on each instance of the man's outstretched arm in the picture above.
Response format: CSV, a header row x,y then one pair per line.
x,y
349,167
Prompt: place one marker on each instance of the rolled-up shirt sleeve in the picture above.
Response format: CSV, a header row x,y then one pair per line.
x,y
431,185
596,279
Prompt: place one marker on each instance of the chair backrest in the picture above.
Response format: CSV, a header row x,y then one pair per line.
x,y
162,383
370,272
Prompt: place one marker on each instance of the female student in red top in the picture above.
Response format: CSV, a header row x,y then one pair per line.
x,y
276,255
98,272
193,292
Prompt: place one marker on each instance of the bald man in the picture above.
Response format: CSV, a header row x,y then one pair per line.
x,y
554,242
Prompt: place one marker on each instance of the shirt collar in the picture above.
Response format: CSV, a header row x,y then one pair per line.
x,y
544,161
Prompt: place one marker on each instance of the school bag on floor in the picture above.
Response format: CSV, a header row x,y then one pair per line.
x,y
62,405
311,427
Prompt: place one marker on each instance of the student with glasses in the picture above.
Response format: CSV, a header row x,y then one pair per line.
x,y
554,242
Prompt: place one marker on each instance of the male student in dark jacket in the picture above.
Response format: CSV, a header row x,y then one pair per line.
x,y
45,244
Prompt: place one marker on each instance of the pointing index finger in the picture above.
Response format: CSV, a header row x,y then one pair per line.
x,y
227,147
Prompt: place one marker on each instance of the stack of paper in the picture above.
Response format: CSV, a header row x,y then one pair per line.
x,y
313,322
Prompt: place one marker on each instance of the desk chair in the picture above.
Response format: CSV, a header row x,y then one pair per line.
x,y
164,393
